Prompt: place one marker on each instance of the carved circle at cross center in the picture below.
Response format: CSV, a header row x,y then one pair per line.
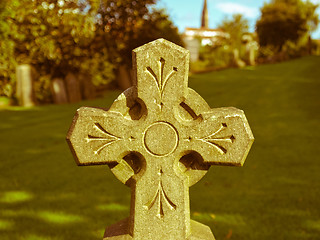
x,y
161,138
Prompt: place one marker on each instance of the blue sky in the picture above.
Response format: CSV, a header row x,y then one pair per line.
x,y
186,13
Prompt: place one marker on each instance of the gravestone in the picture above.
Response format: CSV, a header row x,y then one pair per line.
x,y
237,60
88,90
159,138
59,91
25,91
73,88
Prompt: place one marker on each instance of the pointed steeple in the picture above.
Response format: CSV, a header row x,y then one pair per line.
x,y
205,16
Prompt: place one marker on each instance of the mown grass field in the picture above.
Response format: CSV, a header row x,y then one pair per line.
x,y
276,195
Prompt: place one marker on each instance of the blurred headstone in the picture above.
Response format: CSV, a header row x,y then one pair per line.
x,y
159,138
25,90
252,54
88,90
73,88
236,59
59,91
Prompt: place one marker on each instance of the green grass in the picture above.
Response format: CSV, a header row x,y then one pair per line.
x,y
276,195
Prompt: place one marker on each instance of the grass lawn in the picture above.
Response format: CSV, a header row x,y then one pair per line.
x,y
276,195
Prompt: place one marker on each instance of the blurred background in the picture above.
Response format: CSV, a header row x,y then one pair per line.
x,y
261,56
87,44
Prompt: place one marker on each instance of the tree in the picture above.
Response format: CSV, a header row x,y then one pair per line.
x,y
54,36
125,24
235,27
156,25
7,61
90,37
285,20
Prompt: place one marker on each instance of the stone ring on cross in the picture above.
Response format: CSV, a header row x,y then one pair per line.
x,y
159,137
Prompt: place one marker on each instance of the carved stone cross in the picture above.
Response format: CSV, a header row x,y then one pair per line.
x,y
160,137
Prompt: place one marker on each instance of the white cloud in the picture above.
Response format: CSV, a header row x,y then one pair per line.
x,y
232,8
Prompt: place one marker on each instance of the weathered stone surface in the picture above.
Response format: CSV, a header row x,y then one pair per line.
x,y
160,137
59,91
25,91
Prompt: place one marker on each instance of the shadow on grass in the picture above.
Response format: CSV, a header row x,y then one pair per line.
x,y
59,217
44,195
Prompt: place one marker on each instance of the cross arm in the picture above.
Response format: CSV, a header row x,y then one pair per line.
x,y
97,136
223,137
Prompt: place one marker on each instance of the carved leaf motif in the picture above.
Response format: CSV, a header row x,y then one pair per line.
x,y
216,142
106,139
159,198
160,79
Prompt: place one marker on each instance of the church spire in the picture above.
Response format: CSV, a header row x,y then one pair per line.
x,y
205,16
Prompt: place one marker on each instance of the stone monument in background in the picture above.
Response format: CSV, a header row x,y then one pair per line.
x,y
25,89
59,92
159,138
73,88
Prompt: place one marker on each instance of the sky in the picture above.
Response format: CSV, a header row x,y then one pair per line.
x,y
187,13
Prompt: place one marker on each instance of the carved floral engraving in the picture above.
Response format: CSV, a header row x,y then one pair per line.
x,y
161,80
159,199
106,140
217,141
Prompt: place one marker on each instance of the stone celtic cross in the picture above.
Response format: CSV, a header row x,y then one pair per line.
x,y
160,137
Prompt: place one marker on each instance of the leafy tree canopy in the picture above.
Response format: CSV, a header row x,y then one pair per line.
x,y
285,20
54,36
83,36
126,24
235,27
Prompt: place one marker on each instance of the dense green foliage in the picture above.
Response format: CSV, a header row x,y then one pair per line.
x,y
235,27
7,61
88,37
125,25
286,20
221,53
45,196
56,37
215,57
